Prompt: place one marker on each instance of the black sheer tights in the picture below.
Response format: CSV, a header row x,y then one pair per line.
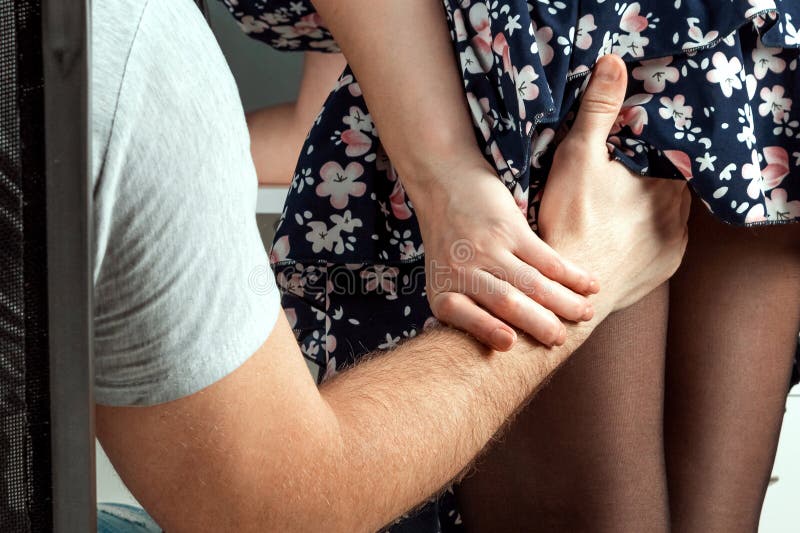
x,y
659,428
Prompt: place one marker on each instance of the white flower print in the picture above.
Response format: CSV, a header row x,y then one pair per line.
x,y
340,184
527,90
323,238
583,38
775,103
793,34
632,42
759,6
346,222
676,109
469,62
358,120
747,136
698,38
656,73
766,59
390,343
769,177
725,73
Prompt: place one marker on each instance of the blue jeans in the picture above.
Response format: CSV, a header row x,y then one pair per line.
x,y
120,518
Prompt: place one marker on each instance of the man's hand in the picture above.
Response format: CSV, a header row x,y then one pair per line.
x,y
264,450
631,231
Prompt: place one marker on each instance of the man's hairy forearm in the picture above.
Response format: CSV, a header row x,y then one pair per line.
x,y
412,419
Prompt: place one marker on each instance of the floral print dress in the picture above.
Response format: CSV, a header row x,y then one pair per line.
x,y
710,100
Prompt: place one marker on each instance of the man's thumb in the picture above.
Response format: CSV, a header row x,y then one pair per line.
x,y
602,100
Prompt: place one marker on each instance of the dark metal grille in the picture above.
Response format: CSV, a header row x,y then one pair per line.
x,y
25,497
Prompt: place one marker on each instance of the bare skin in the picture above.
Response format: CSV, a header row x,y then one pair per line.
x,y
277,133
266,450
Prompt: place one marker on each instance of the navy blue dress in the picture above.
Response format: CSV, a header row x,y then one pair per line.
x,y
710,100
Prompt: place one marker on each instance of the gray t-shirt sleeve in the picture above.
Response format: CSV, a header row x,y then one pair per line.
x,y
182,289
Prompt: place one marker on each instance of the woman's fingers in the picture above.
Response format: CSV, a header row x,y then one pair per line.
x,y
514,307
460,311
538,254
550,294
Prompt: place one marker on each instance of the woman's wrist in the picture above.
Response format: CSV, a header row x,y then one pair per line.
x,y
436,174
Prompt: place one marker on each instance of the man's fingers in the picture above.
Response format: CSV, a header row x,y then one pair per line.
x,y
538,254
512,306
602,100
460,311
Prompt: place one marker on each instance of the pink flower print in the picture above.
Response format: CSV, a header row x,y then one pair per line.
x,y
291,316
780,208
501,48
656,73
540,144
777,166
308,26
759,6
330,370
775,103
676,109
499,159
632,114
458,23
766,59
726,73
583,37
252,25
340,184
521,198
527,90
430,322
381,278
632,21
280,250
397,200
682,162
479,18
543,36
357,143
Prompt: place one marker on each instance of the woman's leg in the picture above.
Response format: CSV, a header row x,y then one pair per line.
x,y
734,317
587,453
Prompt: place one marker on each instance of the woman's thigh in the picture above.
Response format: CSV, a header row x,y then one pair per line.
x,y
587,453
734,318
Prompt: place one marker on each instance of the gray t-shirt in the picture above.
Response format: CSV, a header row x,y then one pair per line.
x,y
183,292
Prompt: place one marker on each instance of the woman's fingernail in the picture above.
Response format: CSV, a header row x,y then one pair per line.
x,y
594,287
588,313
562,336
503,339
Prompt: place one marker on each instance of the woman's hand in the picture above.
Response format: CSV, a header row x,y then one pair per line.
x,y
487,271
